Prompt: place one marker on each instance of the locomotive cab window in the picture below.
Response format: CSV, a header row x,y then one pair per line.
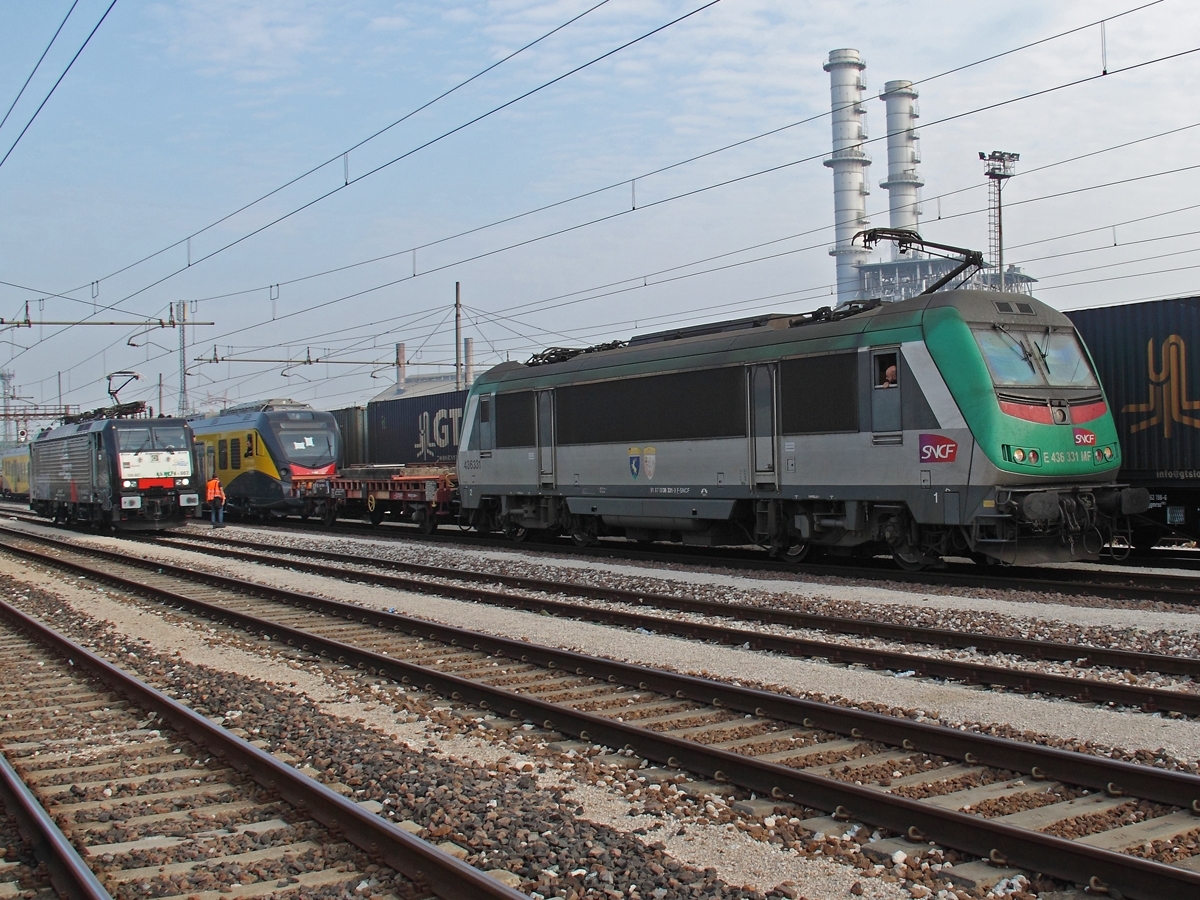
x,y
485,422
887,370
1019,358
222,454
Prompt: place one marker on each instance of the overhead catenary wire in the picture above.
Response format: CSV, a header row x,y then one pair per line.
x,y
1090,189
644,279
341,155
624,181
38,64
445,134
57,83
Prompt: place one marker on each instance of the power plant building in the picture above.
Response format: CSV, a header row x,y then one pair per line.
x,y
903,275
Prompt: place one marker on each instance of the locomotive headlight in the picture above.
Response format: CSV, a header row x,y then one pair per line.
x,y
181,482
1018,454
127,484
1108,453
1033,457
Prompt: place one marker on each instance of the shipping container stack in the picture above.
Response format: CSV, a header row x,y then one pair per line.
x,y
1141,351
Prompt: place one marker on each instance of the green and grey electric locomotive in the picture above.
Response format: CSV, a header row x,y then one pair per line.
x,y
962,422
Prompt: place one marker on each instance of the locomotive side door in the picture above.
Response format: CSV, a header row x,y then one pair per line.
x,y
545,438
761,386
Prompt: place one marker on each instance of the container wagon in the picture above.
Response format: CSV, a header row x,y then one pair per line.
x,y
352,425
409,475
1148,358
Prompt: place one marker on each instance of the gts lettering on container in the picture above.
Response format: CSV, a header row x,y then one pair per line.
x,y
936,448
442,431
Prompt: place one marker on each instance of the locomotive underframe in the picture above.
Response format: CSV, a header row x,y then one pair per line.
x,y
1025,524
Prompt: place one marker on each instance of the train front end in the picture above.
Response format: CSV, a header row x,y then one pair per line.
x,y
154,480
1046,452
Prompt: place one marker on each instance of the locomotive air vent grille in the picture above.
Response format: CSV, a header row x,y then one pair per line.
x,y
1006,306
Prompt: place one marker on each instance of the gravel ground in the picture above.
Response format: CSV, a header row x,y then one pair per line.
x,y
452,778
1176,642
1077,726
1043,616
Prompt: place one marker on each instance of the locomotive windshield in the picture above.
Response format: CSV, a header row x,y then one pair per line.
x,y
158,437
154,451
1035,358
306,440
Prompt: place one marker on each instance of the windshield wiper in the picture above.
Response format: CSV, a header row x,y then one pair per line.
x,y
1041,352
1019,344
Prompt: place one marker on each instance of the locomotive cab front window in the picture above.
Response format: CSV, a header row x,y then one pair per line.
x,y
1064,359
312,444
1021,358
1008,358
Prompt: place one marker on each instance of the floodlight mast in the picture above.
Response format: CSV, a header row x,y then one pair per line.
x,y
906,240
1000,166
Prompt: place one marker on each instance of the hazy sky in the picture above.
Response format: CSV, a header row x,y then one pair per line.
x,y
178,114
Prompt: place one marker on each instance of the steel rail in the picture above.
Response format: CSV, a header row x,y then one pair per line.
x,y
1083,690
1080,654
446,876
1068,860
1070,582
69,874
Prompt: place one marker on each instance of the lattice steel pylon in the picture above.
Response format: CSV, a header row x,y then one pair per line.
x,y
6,378
1000,168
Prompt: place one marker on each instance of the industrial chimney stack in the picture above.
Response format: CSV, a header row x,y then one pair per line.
x,y
903,183
849,164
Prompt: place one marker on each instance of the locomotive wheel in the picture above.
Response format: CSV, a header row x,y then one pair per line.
x,y
908,559
428,524
375,516
796,553
329,516
516,533
582,538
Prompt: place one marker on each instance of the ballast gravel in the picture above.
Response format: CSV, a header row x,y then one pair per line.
x,y
1058,722
545,816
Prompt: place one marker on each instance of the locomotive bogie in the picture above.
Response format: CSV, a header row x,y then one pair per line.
x,y
890,430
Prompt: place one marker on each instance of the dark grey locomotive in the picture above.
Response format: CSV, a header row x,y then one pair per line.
x,y
130,474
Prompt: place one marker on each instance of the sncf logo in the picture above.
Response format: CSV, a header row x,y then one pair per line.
x,y
1085,438
937,449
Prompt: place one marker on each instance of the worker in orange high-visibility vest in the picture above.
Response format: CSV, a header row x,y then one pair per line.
x,y
216,500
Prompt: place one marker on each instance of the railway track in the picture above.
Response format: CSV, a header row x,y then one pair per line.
x,y
633,614
1131,586
164,803
1080,818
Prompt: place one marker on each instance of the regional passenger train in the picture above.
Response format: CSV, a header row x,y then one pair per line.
x,y
274,457
961,422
